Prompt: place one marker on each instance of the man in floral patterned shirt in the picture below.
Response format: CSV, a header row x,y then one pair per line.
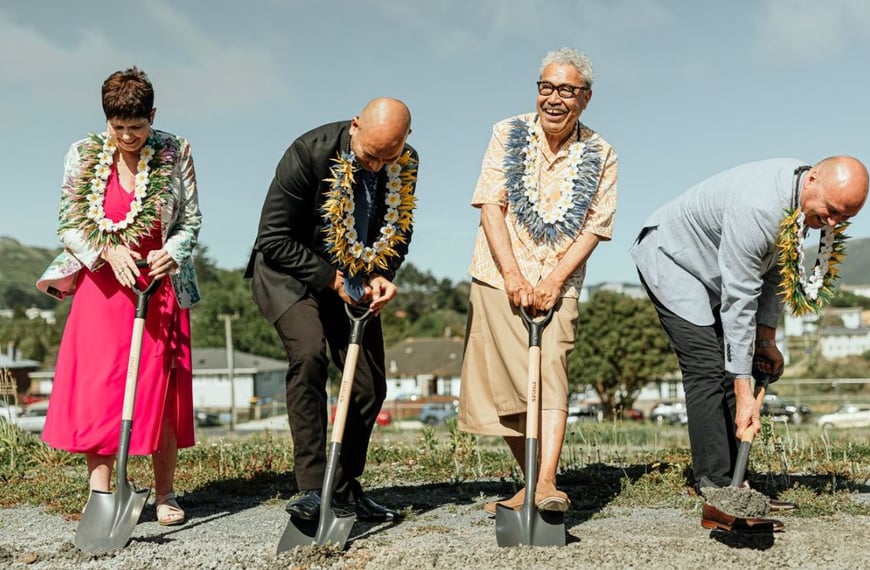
x,y
547,196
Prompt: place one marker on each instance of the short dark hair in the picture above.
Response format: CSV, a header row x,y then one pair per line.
x,y
128,94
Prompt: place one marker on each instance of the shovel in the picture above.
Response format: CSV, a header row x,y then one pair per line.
x,y
331,527
762,380
527,525
108,519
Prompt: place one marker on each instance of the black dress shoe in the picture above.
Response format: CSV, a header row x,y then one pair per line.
x,y
369,511
305,506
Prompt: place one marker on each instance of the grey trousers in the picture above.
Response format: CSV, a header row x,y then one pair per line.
x,y
710,400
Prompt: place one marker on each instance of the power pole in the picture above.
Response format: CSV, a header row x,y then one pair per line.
x,y
228,332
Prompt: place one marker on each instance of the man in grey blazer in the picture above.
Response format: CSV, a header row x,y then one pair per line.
x,y
709,263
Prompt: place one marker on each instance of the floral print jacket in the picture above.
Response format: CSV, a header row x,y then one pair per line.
x,y
181,220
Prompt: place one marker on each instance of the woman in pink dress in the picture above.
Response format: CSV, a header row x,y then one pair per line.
x,y
128,194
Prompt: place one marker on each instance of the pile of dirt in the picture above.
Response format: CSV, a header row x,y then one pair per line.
x,y
737,501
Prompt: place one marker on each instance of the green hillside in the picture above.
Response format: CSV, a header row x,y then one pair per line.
x,y
20,266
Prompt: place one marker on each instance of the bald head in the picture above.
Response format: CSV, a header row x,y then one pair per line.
x,y
379,133
834,191
387,113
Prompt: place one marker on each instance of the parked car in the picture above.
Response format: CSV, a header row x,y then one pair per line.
x,y
433,414
384,417
669,412
32,417
9,412
207,419
783,410
581,411
635,415
846,416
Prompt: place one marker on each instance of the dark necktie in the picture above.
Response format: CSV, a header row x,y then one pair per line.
x,y
364,199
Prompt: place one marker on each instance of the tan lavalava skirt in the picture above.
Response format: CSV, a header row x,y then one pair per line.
x,y
495,367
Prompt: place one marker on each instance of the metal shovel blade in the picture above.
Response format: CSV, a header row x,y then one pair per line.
x,y
330,527
527,525
109,518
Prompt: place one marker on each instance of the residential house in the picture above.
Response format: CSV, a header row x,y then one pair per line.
x,y
256,380
424,367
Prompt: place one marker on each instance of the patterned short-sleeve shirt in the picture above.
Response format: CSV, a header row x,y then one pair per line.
x,y
537,260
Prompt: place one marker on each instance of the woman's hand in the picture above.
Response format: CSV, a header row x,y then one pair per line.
x,y
160,264
123,263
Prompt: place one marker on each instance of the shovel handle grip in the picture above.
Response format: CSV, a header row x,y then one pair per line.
x,y
746,438
535,326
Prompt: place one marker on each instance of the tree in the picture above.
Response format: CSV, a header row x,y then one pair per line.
x,y
425,306
227,292
620,347
843,298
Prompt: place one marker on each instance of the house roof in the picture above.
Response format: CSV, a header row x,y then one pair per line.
x,y
216,359
413,357
205,359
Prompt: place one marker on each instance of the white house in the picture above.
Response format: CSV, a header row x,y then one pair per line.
x,y
850,337
424,367
46,315
255,378
839,342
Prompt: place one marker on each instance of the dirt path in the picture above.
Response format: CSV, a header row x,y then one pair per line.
x,y
442,532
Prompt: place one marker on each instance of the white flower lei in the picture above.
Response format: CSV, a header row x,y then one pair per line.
x,y
95,198
356,246
812,285
346,246
549,220
555,213
802,293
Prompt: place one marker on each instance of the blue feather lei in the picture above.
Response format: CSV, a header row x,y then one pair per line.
x,y
584,185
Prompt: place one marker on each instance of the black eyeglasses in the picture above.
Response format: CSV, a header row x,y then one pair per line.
x,y
565,90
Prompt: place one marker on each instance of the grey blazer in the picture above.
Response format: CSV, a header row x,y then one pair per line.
x,y
715,246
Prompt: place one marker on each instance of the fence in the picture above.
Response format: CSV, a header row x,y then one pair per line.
x,y
824,393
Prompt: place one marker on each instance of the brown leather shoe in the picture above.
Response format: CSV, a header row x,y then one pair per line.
x,y
552,500
714,519
514,502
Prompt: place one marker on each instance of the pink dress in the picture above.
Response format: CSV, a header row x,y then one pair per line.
x,y
84,414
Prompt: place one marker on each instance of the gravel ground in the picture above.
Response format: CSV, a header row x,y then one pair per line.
x,y
443,531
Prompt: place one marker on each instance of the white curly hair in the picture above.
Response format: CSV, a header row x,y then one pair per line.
x,y
570,56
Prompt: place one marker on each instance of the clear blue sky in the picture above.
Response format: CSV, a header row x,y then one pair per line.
x,y
683,90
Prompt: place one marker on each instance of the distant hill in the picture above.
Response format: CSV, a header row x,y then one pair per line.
x,y
20,266
855,269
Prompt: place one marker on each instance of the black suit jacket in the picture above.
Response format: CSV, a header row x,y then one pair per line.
x,y
290,256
